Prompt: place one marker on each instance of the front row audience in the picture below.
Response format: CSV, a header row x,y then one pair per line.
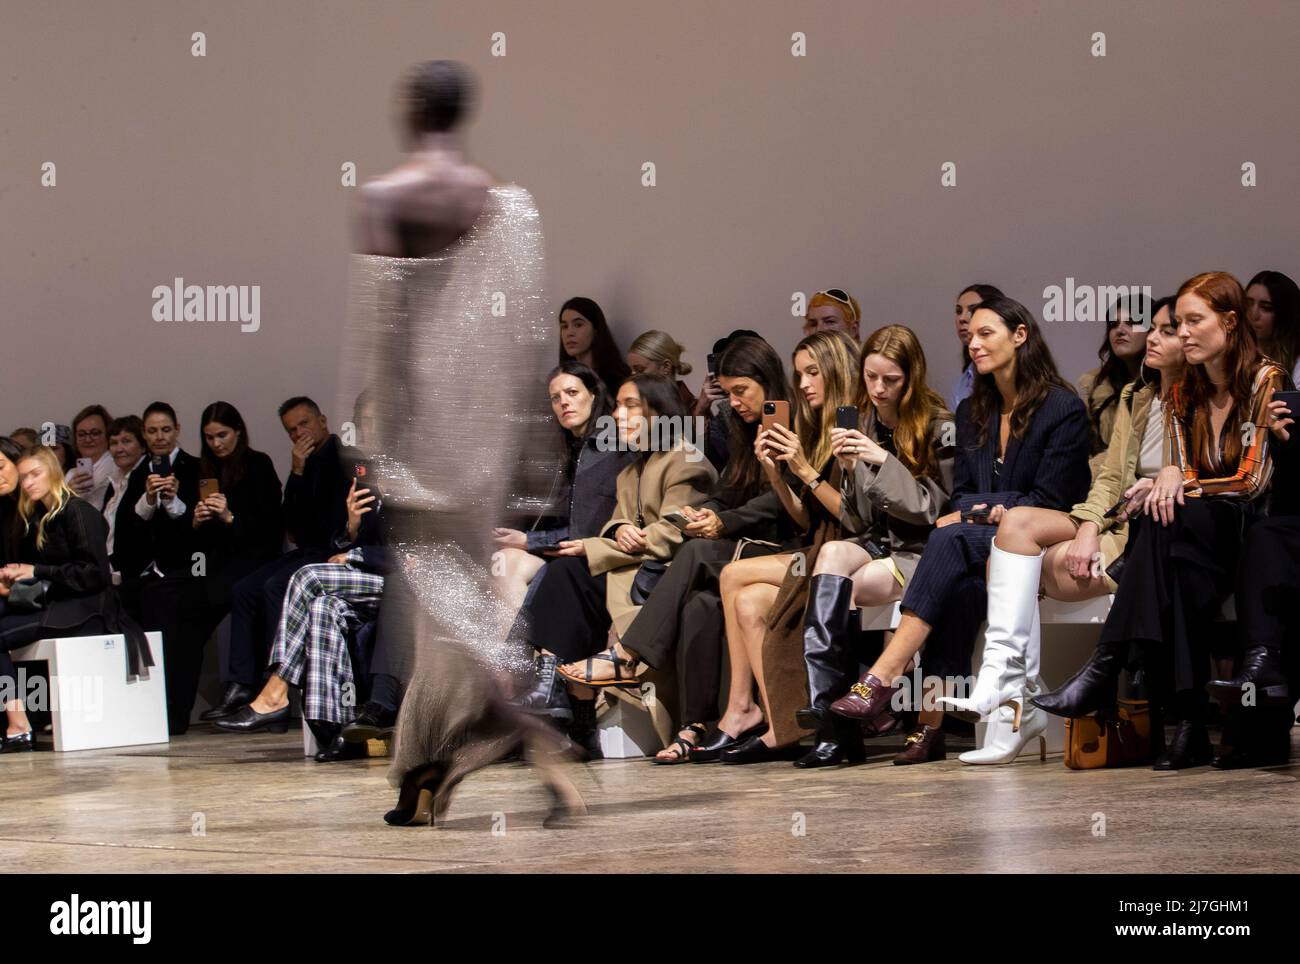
x,y
1172,484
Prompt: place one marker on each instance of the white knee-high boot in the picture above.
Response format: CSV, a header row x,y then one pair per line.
x,y
1016,722
1011,640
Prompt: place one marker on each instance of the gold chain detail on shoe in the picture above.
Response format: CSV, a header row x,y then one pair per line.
x,y
916,736
862,690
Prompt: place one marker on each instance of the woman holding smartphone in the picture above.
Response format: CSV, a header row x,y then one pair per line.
x,y
584,500
1022,439
1068,553
237,518
681,622
1196,512
897,460
761,596
599,582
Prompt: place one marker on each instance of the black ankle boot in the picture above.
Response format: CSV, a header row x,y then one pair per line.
x,y
839,741
1091,689
1190,746
549,695
582,731
1261,671
825,647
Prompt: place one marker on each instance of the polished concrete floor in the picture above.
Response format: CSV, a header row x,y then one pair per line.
x,y
212,802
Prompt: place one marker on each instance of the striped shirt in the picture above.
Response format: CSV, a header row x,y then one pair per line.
x,y
1208,474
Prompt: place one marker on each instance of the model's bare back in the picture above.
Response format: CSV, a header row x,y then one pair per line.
x,y
422,206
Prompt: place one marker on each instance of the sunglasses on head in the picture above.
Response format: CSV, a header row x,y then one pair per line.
x,y
842,296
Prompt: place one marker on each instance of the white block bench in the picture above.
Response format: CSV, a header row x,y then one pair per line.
x,y
92,703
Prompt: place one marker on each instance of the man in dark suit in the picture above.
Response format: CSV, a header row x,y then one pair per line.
x,y
315,507
173,595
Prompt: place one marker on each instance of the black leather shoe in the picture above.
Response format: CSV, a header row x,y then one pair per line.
x,y
340,749
20,743
374,722
237,695
248,720
1092,688
711,745
1261,670
549,695
1190,747
754,750
838,742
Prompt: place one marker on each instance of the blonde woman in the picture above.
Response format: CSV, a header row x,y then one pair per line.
x,y
61,585
658,353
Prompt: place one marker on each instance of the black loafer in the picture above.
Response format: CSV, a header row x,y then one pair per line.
x,y
711,745
21,743
248,720
754,750
236,696
374,722
340,749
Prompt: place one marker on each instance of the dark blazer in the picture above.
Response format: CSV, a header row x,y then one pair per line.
x,y
74,561
315,503
9,538
586,496
1046,468
257,534
132,548
172,540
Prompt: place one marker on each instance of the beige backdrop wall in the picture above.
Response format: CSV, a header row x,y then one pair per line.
x,y
775,173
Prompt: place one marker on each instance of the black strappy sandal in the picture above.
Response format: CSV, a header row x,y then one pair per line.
x,y
682,746
620,681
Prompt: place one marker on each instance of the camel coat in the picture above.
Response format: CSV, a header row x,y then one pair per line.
x,y
667,482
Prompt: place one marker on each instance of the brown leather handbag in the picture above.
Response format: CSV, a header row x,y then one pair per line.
x,y
1123,740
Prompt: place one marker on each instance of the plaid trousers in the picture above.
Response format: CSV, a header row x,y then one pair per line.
x,y
324,602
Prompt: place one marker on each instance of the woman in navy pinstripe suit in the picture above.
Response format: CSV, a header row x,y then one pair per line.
x,y
1022,439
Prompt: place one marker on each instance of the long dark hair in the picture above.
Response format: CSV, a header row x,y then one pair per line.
x,y
606,359
1146,374
985,292
659,394
1285,295
1036,372
231,469
1114,371
601,405
755,359
9,532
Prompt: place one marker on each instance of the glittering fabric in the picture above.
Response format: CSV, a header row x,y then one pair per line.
x,y
453,349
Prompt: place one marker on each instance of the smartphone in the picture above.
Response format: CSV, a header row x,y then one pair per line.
x,y
677,519
1115,509
975,515
208,487
874,550
363,486
846,416
86,466
361,470
776,413
1292,400
160,465
712,365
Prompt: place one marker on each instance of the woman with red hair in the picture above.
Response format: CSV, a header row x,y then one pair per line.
x,y
1184,548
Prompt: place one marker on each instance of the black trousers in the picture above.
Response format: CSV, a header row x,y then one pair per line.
x,y
180,608
567,615
682,623
1174,581
1267,582
256,602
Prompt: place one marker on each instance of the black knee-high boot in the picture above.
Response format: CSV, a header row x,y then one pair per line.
x,y
826,656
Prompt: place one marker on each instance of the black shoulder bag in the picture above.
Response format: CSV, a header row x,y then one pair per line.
x,y
652,570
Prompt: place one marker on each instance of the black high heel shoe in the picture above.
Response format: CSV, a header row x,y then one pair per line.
x,y
415,801
713,743
20,743
1261,669
1190,747
1089,690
